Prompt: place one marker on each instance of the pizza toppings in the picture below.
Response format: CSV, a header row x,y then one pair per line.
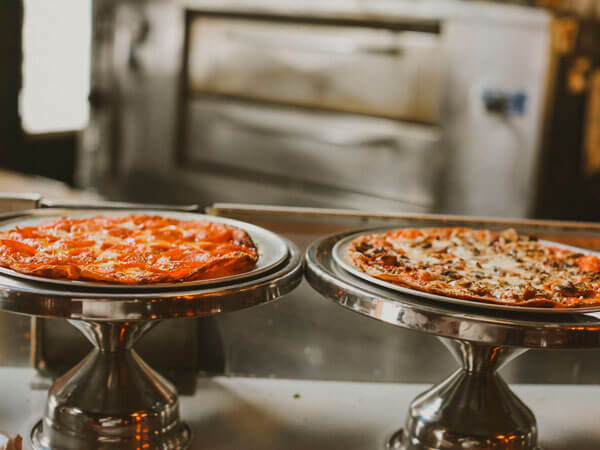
x,y
128,249
500,267
589,263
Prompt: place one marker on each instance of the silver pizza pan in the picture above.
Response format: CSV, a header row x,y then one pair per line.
x,y
272,250
340,256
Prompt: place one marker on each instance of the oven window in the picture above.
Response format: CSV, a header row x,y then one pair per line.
x,y
377,71
56,65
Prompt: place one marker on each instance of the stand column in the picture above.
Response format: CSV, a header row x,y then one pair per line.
x,y
112,399
471,409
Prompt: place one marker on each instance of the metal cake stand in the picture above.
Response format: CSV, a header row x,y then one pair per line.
x,y
473,408
113,399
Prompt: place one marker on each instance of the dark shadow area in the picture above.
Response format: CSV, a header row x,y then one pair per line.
x,y
49,155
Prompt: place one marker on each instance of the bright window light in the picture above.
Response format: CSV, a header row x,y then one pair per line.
x,y
56,65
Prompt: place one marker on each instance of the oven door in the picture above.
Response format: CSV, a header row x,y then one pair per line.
x,y
380,70
365,155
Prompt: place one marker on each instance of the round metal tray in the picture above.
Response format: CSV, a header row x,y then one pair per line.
x,y
468,322
46,300
272,250
340,252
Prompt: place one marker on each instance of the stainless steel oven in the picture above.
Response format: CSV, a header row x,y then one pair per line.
x,y
389,105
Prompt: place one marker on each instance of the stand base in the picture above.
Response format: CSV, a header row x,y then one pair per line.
x,y
397,439
176,439
112,399
471,409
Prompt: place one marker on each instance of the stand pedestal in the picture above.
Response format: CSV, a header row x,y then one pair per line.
x,y
472,408
112,399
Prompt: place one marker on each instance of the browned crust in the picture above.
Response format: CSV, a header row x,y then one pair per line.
x,y
217,268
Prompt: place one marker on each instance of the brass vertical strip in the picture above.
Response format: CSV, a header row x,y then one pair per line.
x,y
591,146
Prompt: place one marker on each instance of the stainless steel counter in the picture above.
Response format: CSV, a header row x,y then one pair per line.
x,y
273,414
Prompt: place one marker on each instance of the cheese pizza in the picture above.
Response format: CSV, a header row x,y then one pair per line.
x,y
500,267
132,249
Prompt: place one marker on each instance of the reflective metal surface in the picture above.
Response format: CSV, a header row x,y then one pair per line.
x,y
371,352
272,249
113,399
473,408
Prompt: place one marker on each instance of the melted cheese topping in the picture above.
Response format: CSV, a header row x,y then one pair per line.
x,y
477,264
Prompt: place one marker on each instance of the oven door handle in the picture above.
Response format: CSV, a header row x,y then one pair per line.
x,y
325,136
13,205
335,45
117,205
